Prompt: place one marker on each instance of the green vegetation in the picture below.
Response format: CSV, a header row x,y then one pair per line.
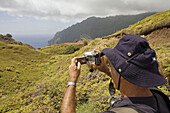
x,y
149,24
60,49
85,43
35,80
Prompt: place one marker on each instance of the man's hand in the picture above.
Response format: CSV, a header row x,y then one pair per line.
x,y
74,70
103,66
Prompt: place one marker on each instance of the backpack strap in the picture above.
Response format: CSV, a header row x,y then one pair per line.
x,y
158,106
126,109
156,92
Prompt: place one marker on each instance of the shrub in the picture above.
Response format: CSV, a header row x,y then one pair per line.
x,y
85,43
20,43
1,35
9,35
70,49
8,68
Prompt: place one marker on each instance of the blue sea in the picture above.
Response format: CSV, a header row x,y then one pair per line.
x,y
37,41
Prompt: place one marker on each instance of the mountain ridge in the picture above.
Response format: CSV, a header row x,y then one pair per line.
x,y
96,27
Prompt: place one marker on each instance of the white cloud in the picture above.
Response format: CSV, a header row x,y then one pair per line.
x,y
73,10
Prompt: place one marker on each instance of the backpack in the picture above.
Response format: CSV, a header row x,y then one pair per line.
x,y
163,104
126,109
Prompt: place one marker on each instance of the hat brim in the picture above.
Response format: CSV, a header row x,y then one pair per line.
x,y
133,73
142,77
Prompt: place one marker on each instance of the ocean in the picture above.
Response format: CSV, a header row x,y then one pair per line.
x,y
37,41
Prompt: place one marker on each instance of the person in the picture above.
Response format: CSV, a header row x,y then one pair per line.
x,y
133,69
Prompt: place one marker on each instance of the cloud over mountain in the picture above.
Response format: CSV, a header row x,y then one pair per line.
x,y
73,10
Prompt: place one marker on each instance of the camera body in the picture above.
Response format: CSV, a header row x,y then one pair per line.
x,y
90,58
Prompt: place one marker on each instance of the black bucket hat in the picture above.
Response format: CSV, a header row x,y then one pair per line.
x,y
135,61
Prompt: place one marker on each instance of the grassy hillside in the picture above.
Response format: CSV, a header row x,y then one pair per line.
x,y
51,74
147,25
18,67
33,81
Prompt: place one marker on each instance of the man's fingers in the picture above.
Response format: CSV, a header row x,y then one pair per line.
x,y
73,61
97,51
78,65
94,66
102,59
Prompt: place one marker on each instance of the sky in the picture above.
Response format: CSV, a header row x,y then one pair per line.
x,y
35,17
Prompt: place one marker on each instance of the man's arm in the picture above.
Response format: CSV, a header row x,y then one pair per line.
x,y
69,101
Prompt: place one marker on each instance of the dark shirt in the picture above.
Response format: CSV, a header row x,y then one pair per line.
x,y
143,104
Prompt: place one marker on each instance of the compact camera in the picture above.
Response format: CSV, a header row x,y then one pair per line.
x,y
90,58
